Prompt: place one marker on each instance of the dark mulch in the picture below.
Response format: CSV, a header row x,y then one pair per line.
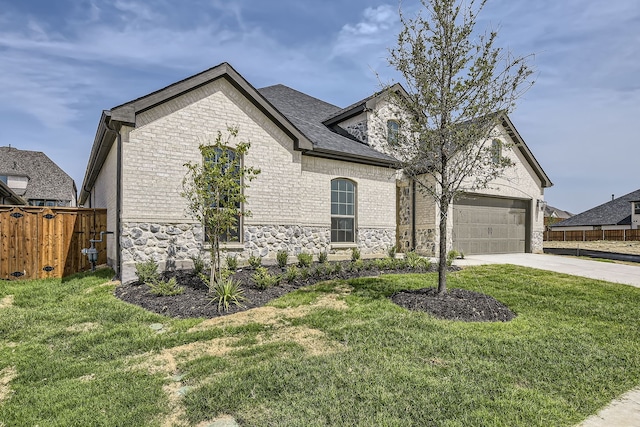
x,y
456,304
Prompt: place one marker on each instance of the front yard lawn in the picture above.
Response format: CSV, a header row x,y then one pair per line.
x,y
338,353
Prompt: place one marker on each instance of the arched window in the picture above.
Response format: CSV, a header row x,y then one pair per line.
x,y
343,211
496,150
393,131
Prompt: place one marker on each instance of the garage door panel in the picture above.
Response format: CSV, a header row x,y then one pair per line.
x,y
489,225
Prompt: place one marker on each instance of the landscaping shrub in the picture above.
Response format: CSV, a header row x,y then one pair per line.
x,y
451,255
355,254
264,279
291,274
165,289
337,267
255,261
304,259
323,257
282,256
232,262
304,273
198,265
392,252
227,292
147,271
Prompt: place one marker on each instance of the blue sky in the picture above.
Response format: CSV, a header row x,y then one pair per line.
x,y
62,62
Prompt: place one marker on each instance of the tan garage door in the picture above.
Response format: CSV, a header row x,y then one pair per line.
x,y
489,225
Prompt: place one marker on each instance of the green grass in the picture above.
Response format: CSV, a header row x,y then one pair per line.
x,y
573,347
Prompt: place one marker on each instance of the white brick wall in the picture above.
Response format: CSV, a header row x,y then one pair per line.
x,y
103,195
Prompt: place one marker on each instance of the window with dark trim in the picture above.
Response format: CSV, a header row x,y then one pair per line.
x,y
393,131
343,211
637,208
232,234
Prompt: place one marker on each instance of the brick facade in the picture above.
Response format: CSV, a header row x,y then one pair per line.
x,y
291,197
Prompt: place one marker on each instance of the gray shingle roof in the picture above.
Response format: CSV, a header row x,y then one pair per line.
x,y
307,114
615,212
46,179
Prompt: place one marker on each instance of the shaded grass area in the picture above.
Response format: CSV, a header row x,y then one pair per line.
x,y
573,347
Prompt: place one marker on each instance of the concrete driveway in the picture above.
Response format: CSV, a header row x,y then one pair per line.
x,y
617,273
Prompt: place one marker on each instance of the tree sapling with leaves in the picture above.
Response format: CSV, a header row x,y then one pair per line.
x,y
214,189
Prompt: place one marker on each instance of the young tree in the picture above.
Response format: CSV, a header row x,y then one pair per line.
x,y
458,84
214,189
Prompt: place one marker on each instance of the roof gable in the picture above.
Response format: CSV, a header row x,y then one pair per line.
x,y
308,114
615,212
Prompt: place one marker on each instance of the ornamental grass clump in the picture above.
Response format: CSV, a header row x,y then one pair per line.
x,y
323,257
355,254
226,292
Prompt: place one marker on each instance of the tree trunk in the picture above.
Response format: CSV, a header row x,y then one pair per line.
x,y
442,260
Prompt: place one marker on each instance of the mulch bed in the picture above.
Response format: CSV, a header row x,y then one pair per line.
x,y
455,304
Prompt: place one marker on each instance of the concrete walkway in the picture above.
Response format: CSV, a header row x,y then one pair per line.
x,y
625,410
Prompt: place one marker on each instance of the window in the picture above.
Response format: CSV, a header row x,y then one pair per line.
x,y
496,151
393,131
228,155
343,211
637,208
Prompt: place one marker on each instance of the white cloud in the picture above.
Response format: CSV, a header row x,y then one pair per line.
x,y
376,30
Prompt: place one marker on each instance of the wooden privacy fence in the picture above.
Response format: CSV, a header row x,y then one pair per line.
x,y
591,235
37,242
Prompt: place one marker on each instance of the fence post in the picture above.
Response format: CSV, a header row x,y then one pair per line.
x,y
624,235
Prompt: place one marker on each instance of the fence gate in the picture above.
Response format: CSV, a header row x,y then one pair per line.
x,y
37,242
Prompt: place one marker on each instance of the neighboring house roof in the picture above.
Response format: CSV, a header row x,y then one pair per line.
x,y
8,197
46,179
308,114
550,211
615,212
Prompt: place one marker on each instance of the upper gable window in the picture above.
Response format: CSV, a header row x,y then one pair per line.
x,y
637,208
393,131
496,151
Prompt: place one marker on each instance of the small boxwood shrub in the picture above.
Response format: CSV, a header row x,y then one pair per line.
x,y
147,271
232,262
255,261
165,289
264,279
305,259
282,256
355,254
323,257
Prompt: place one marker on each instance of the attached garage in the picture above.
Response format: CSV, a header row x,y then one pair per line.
x,y
491,225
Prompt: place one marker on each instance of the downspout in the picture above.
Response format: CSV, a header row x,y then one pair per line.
x,y
118,197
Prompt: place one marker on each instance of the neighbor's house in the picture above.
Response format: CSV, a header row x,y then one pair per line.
x,y
622,213
35,179
554,215
8,196
322,187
